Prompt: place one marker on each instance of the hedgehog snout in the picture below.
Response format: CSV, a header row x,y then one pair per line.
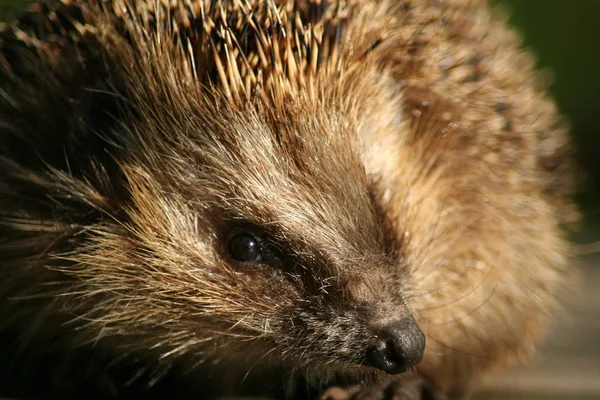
x,y
396,346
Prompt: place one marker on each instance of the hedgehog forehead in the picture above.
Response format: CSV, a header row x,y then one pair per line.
x,y
289,156
301,177
299,163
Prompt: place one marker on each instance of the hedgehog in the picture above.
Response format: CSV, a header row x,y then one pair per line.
x,y
291,198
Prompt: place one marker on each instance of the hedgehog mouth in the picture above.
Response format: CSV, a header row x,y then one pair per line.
x,y
347,376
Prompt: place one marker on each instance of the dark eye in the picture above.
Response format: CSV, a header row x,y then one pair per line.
x,y
245,248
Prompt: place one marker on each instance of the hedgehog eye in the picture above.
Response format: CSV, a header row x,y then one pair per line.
x,y
244,248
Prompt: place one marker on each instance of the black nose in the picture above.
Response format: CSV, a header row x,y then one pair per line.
x,y
397,347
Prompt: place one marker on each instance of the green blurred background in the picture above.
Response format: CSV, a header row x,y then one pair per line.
x,y
564,35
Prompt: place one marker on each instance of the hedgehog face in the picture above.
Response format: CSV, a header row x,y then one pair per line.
x,y
250,231
239,211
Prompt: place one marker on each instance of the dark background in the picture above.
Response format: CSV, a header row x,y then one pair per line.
x,y
564,35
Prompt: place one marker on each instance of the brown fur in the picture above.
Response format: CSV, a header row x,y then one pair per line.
x,y
400,157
